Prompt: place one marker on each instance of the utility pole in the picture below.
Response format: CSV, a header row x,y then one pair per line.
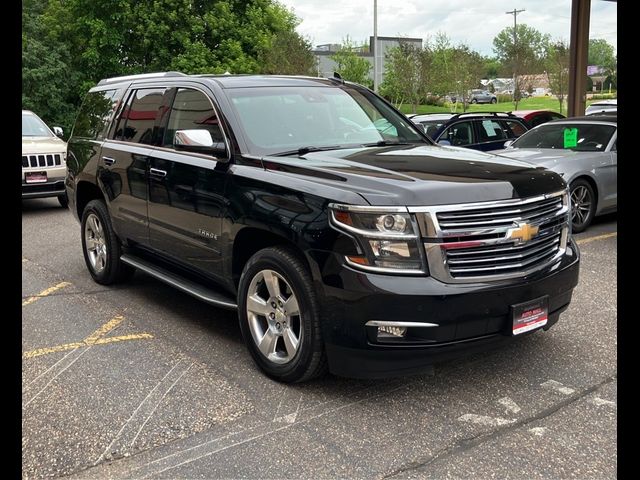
x,y
515,13
375,46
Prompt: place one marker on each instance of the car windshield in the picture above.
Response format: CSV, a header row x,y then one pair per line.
x,y
586,137
284,119
32,126
431,127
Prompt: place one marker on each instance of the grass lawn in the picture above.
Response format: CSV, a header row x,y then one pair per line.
x,y
532,103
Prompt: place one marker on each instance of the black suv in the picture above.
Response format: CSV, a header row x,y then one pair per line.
x,y
478,130
343,236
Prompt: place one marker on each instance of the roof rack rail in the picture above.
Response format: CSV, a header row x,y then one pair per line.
x,y
493,114
140,76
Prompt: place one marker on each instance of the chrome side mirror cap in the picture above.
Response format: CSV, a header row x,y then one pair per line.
x,y
199,140
58,131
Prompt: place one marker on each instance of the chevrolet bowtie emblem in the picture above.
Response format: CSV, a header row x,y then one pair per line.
x,y
523,232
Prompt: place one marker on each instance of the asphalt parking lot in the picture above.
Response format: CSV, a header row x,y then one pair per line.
x,y
142,381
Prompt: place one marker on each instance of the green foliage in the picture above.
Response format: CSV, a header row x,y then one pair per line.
x,y
407,73
523,54
69,45
557,68
350,66
288,53
601,53
605,96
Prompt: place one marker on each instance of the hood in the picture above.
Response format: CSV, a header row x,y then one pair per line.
x,y
43,145
542,157
421,175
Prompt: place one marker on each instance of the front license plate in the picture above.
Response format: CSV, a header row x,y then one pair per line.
x,y
35,177
530,315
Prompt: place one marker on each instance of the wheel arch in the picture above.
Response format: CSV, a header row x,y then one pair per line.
x,y
85,192
249,240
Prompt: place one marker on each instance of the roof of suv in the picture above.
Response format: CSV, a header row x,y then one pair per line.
x,y
452,116
229,81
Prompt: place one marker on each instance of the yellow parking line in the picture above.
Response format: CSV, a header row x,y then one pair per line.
x,y
598,237
46,292
59,348
93,339
104,329
122,338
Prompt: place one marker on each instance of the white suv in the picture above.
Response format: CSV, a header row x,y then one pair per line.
x,y
44,164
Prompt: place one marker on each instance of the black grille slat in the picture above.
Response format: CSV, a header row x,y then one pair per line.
x,y
491,269
506,258
41,160
498,211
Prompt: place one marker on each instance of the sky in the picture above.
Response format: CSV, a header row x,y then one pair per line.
x,y
473,22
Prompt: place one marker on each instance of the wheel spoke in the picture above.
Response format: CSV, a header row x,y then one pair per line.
x,y
91,243
272,283
257,305
267,344
291,306
290,342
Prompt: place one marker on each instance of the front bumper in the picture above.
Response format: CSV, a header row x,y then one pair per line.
x,y
52,188
470,317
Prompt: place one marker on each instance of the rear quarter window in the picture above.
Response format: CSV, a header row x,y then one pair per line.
x,y
95,114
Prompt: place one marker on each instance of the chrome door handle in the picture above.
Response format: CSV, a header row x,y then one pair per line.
x,y
108,161
158,173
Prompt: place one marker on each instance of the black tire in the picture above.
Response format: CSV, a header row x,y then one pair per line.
x,y
494,100
63,200
309,359
583,205
109,269
473,100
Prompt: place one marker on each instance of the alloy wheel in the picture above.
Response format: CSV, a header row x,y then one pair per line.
x,y
95,243
274,316
580,204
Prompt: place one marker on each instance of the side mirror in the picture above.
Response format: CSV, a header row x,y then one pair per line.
x,y
198,141
444,142
508,143
58,131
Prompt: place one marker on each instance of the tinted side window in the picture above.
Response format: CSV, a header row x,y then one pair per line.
x,y
94,114
137,121
514,129
192,109
459,134
490,131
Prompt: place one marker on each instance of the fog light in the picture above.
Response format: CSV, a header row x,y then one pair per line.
x,y
387,331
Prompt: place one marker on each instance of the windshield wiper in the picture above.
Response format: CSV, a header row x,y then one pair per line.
x,y
309,149
386,143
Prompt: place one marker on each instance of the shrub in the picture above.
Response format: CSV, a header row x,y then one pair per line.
x,y
503,97
604,96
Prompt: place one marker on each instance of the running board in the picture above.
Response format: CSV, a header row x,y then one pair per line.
x,y
201,292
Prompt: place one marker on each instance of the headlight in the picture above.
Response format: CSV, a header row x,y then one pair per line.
x,y
387,238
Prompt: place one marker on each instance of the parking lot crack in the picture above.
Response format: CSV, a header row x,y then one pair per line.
x,y
468,443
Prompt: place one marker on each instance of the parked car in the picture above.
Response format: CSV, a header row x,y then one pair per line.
x,y
582,150
342,235
43,159
602,106
482,96
537,117
478,130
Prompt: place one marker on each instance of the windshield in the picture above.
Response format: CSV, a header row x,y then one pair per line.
x,y
573,136
432,127
282,119
32,126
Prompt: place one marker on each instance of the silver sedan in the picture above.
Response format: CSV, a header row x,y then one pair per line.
x,y
582,150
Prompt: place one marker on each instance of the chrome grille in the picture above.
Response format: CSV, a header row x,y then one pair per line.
x,y
494,240
39,161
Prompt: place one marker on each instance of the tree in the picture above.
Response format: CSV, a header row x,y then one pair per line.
x,y
351,66
69,45
288,53
601,53
557,67
407,74
524,56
